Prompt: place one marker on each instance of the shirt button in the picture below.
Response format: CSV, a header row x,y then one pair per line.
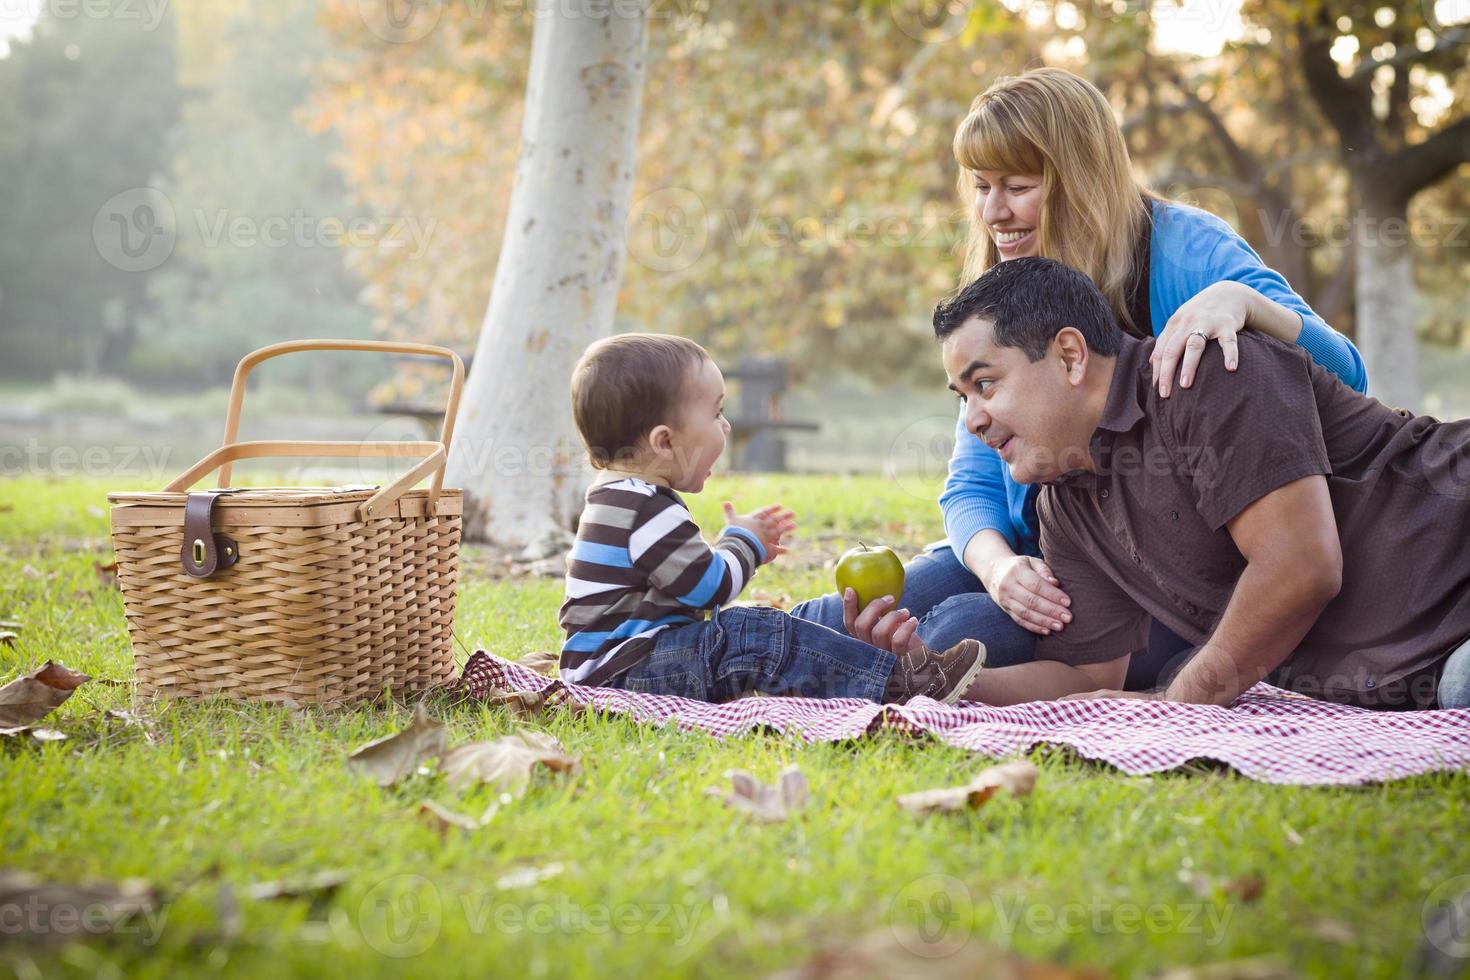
x,y
1174,514
1103,493
1137,560
1370,683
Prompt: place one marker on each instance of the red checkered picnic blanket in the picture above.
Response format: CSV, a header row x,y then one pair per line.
x,y
1269,734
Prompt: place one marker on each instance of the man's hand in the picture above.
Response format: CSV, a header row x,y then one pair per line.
x,y
1030,594
881,625
1125,695
770,524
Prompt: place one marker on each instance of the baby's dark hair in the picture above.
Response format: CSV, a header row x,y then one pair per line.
x,y
625,386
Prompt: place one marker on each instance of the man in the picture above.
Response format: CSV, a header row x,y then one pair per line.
x,y
1297,531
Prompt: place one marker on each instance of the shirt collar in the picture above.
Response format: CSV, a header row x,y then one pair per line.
x,y
1121,412
1123,409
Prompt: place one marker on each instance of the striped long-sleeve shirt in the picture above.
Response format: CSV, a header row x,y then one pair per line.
x,y
639,566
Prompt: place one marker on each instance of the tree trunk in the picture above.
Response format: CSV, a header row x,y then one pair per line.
x,y
1385,301
516,453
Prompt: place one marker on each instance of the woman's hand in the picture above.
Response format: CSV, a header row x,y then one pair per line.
x,y
1217,312
1030,594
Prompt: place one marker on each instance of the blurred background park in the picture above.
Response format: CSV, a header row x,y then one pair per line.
x,y
187,180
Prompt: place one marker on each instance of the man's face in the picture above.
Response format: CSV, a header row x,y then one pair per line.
x,y
1029,412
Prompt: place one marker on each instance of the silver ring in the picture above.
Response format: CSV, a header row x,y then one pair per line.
x,y
1200,334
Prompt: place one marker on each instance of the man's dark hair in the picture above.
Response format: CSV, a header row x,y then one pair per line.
x,y
1028,301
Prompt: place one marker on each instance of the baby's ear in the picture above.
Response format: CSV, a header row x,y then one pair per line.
x,y
661,439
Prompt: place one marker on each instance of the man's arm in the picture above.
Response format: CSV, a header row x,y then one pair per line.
x,y
1294,569
1045,680
896,631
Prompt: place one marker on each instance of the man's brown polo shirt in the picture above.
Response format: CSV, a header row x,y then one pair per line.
x,y
1146,535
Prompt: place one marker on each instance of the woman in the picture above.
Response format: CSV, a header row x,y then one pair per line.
x,y
1043,159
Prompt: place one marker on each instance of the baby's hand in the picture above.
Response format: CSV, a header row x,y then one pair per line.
x,y
769,524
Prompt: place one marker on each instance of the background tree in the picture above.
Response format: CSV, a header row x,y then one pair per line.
x,y
516,452
65,151
1393,147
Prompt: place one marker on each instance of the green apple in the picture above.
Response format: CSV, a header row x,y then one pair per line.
x,y
873,572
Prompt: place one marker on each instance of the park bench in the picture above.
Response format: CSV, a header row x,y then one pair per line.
x,y
757,426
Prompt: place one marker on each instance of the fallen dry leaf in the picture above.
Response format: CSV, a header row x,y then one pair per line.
x,y
129,720
1017,777
39,734
389,759
109,906
895,953
769,803
526,877
541,661
106,574
1246,888
506,762
1253,968
760,597
317,887
1334,931
525,705
444,819
32,697
6,508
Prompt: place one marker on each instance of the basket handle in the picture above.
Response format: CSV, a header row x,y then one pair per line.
x,y
451,409
374,505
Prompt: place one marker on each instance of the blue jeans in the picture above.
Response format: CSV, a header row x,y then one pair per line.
x,y
951,606
745,649
1454,681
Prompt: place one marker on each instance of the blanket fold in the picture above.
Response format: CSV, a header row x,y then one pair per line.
x,y
1269,734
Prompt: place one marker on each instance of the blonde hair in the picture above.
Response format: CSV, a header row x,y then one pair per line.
x,y
1050,122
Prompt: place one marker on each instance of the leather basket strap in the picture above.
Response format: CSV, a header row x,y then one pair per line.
x,y
204,552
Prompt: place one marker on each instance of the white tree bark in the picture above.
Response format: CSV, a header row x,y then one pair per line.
x,y
516,453
1386,305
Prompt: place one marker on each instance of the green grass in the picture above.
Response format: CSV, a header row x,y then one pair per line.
x,y
1093,870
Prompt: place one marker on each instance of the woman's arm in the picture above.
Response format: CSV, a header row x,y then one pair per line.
x,y
974,497
984,539
1194,251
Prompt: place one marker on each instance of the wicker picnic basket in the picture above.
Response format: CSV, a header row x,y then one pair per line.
x,y
302,594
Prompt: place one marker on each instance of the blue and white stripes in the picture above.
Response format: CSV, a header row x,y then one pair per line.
x,y
639,565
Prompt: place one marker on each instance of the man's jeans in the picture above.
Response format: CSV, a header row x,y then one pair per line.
x,y
951,605
747,649
1454,682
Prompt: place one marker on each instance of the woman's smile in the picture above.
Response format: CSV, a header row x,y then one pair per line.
x,y
1012,243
